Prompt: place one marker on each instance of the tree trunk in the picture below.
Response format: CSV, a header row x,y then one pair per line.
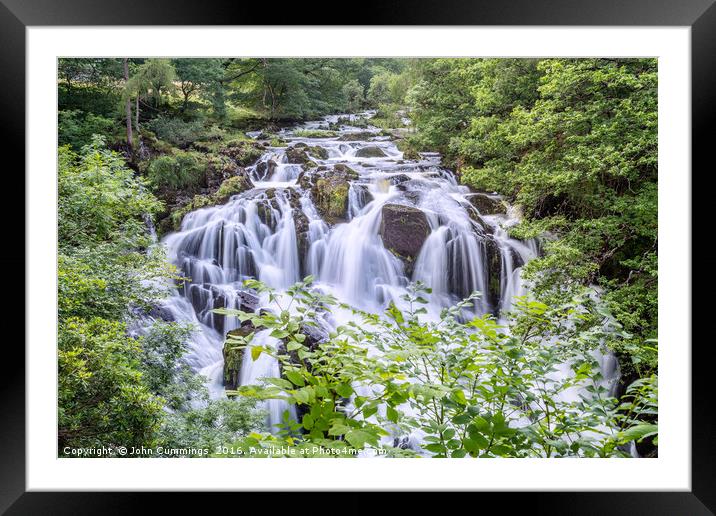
x,y
128,108
136,114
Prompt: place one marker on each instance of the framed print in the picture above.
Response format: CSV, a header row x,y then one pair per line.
x,y
443,250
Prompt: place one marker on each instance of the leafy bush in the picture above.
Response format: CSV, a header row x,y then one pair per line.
x,y
76,128
101,398
180,133
180,170
100,198
469,386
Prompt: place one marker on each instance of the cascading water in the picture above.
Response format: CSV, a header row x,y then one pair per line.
x,y
279,231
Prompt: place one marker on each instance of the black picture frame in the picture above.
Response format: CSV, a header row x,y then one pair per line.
x,y
16,15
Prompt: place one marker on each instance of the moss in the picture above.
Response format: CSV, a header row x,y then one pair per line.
x,y
232,186
244,153
315,133
332,197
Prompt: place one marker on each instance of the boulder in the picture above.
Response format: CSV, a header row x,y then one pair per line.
x,y
399,179
162,313
302,153
356,136
265,169
329,190
487,204
404,230
372,151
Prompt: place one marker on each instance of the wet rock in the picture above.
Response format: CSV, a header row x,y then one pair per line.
x,y
487,204
302,237
302,153
494,272
404,230
234,356
399,179
372,151
161,313
356,136
265,169
329,190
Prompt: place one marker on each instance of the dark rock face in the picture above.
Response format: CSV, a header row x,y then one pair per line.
x,y
234,356
399,179
265,169
302,236
487,204
404,230
494,272
162,313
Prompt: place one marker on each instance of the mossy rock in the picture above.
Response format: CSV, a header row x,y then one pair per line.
x,y
301,153
244,153
487,204
357,136
234,356
329,190
232,186
372,151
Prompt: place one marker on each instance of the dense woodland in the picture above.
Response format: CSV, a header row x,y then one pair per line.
x,y
571,143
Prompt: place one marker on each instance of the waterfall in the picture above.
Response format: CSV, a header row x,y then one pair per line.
x,y
279,231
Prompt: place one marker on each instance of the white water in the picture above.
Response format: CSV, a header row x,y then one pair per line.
x,y
254,235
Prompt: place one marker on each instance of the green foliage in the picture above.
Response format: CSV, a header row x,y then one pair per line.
x,y
178,132
76,128
203,77
100,199
573,142
639,412
183,169
101,398
218,422
150,79
354,94
471,387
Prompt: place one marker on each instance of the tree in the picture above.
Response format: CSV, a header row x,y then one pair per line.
x,y
198,75
149,79
353,92
128,105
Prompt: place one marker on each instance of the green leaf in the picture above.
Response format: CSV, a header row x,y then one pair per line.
x,y
256,352
344,390
307,421
392,414
280,382
295,378
359,438
638,432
